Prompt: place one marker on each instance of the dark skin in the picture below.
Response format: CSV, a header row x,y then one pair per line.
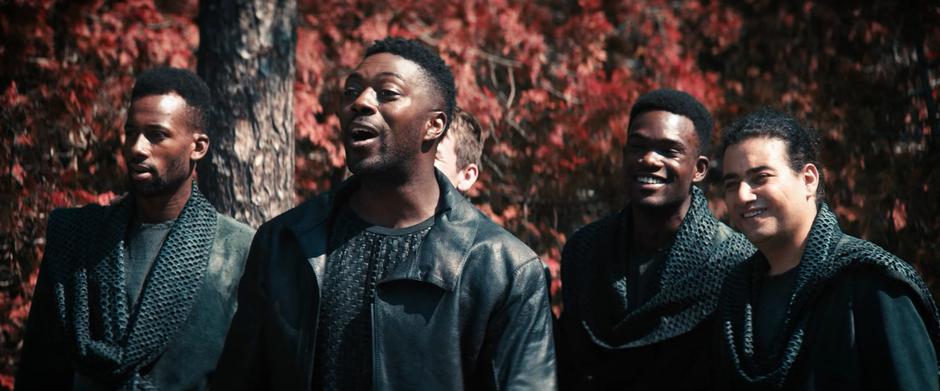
x,y
392,122
160,149
661,162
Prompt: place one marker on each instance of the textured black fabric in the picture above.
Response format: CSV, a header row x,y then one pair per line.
x,y
644,272
689,284
773,295
828,256
110,342
359,256
604,343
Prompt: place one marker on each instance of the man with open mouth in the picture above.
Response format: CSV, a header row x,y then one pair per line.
x,y
639,286
140,294
393,280
814,308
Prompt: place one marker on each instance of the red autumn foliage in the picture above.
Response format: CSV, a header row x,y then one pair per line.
x,y
553,82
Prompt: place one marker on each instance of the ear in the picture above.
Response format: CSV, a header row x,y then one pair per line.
x,y
200,146
701,169
467,177
810,176
434,128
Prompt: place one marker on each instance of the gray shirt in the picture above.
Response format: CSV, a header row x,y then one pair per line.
x,y
142,247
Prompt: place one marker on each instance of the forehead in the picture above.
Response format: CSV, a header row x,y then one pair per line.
x,y
661,125
167,105
382,65
756,152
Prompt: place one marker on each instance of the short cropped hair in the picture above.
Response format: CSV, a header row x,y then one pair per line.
x,y
432,64
468,138
802,142
165,80
679,103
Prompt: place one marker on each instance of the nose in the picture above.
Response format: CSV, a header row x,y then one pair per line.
x,y
745,193
137,147
365,103
650,158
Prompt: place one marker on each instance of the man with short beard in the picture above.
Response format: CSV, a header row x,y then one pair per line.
x,y
393,280
814,308
639,286
140,294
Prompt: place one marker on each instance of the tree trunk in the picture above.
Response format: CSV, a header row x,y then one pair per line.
x,y
246,56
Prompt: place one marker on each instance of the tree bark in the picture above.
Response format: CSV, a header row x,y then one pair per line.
x,y
246,56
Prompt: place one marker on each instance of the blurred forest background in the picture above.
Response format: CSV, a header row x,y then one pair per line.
x,y
552,81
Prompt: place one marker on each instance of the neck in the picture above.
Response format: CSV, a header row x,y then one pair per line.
x,y
397,204
163,207
786,252
657,225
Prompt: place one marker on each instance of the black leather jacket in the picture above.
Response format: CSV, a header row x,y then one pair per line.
x,y
470,312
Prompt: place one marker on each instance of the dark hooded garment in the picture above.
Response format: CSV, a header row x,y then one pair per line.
x,y
856,318
621,329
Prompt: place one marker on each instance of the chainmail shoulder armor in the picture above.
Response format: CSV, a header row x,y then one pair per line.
x,y
109,341
703,251
829,253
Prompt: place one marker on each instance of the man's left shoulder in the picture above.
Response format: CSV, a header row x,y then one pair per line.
x,y
494,244
731,246
233,232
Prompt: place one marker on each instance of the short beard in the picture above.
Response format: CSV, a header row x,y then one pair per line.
x,y
161,185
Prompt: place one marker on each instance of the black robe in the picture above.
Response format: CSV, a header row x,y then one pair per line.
x,y
859,318
605,343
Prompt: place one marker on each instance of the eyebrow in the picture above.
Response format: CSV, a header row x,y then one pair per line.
x,y
660,141
382,74
748,172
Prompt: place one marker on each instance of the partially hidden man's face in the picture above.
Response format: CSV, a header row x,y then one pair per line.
x,y
661,159
160,146
389,113
768,201
445,160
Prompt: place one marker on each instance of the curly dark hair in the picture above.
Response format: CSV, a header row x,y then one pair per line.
x,y
802,142
166,80
429,61
679,103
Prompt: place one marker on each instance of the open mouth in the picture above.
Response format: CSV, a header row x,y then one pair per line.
x,y
753,212
650,180
360,132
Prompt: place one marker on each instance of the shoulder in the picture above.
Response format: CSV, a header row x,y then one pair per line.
x,y
234,231
592,236
731,246
72,223
311,211
496,241
865,260
597,229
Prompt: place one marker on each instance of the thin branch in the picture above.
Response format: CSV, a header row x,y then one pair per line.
x,y
512,89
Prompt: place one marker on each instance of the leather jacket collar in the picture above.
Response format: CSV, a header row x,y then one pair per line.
x,y
442,253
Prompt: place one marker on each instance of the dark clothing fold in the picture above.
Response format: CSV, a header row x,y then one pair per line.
x,y
471,311
605,341
83,332
858,318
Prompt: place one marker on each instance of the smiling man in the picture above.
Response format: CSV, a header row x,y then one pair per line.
x,y
139,294
639,286
813,309
393,280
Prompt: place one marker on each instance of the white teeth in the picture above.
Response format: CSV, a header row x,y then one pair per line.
x,y
754,212
650,180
